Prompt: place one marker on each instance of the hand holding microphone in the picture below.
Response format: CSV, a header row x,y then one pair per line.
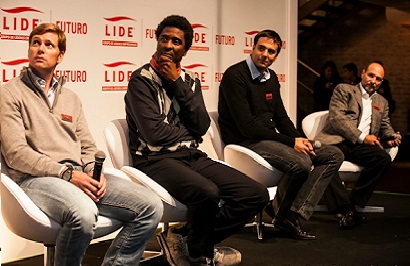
x,y
307,146
392,140
98,165
316,144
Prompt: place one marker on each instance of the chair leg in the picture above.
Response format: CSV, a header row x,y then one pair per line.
x,y
259,226
49,251
165,226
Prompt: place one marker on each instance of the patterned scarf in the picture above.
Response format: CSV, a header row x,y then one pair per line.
x,y
171,107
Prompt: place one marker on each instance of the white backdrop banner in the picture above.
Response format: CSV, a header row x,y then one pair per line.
x,y
107,40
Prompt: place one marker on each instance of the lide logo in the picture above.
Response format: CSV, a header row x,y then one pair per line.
x,y
248,44
200,73
200,41
117,75
119,31
12,69
18,22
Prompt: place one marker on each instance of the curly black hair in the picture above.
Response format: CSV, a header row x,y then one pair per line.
x,y
178,22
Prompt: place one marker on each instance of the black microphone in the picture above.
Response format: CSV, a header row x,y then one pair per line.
x,y
99,159
392,137
316,144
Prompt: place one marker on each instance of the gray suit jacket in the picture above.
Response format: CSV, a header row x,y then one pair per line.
x,y
345,110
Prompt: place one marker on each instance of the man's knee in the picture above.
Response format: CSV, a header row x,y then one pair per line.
x,y
262,193
385,159
301,169
206,193
83,216
335,153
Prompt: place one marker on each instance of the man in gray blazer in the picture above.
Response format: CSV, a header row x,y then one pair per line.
x,y
359,125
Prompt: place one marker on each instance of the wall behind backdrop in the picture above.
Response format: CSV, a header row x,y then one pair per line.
x,y
107,40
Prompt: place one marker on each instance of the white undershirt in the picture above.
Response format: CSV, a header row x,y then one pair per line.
x,y
366,118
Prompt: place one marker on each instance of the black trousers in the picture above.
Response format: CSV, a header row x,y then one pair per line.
x,y
201,183
375,161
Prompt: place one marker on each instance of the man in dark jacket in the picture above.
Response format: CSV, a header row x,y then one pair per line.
x,y
251,113
167,117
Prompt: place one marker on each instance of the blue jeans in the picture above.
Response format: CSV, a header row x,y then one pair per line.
x,y
137,207
302,185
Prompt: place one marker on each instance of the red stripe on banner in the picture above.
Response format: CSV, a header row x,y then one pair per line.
x,y
20,9
252,32
115,19
15,62
119,63
194,66
197,25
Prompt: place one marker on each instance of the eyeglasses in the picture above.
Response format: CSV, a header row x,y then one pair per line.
x,y
372,76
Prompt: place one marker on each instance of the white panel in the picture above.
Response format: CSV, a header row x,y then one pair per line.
x,y
107,40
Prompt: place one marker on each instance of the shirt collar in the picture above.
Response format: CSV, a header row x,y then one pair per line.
x,y
255,72
42,82
364,92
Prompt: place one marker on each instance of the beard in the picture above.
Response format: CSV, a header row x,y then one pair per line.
x,y
371,88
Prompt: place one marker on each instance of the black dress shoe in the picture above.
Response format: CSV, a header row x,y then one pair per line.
x,y
294,230
349,220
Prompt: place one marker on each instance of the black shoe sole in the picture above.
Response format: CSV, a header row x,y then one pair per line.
x,y
161,238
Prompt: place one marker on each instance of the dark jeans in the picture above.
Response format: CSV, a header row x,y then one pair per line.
x,y
301,187
375,161
201,183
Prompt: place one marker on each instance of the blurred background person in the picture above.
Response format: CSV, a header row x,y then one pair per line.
x,y
324,85
350,74
384,90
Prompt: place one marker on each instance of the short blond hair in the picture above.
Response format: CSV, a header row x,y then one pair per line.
x,y
50,27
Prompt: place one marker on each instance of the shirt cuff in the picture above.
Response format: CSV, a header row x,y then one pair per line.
x,y
60,173
361,138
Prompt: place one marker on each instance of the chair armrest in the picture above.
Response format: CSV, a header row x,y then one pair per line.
x,y
392,152
142,178
117,173
252,164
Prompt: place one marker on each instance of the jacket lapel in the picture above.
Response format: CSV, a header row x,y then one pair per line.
x,y
376,115
358,96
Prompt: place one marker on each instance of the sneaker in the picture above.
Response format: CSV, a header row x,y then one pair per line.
x,y
203,261
226,256
174,247
223,256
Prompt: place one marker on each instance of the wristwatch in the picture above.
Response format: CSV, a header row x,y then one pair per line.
x,y
68,173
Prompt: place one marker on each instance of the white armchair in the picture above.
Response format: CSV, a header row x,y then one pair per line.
x,y
26,220
244,160
116,137
348,171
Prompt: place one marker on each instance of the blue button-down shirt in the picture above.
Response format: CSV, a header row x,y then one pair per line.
x,y
52,91
264,76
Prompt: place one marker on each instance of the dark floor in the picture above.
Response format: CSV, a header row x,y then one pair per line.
x,y
383,241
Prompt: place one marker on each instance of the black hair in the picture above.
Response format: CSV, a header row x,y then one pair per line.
x,y
269,34
351,67
178,22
